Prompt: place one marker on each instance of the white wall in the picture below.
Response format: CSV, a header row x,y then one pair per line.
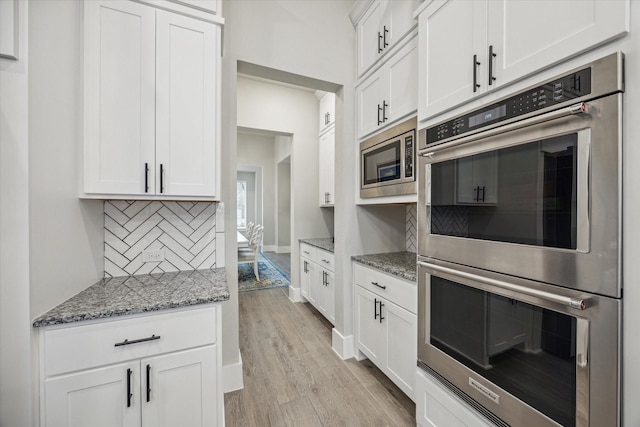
x,y
15,324
259,150
283,215
66,233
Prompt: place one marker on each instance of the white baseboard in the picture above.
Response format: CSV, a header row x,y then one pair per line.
x,y
283,249
343,346
232,379
294,294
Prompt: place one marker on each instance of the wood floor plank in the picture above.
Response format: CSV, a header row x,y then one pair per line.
x,y
292,377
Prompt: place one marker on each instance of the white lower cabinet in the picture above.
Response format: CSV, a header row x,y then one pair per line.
x,y
148,381
317,279
438,407
386,324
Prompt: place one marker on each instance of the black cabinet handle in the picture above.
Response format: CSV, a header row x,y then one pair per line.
x,y
475,73
483,188
384,37
328,118
491,56
148,383
384,111
146,177
161,178
305,267
379,111
476,194
381,305
375,308
129,394
379,40
127,342
379,285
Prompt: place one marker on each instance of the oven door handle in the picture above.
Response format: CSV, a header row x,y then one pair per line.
x,y
575,303
582,108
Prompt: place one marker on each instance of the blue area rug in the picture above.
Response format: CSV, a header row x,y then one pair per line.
x,y
270,276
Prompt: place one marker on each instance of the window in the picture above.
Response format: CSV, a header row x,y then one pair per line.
x,y
242,203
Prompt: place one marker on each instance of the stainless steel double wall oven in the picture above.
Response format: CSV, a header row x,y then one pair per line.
x,y
520,293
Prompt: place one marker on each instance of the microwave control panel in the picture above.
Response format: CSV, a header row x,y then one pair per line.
x,y
556,92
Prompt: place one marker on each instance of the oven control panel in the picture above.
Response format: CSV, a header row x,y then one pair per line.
x,y
559,91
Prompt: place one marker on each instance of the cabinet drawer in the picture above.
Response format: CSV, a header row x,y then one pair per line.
x,y
82,346
308,251
325,259
398,291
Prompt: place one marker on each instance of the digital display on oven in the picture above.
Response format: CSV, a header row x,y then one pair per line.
x,y
488,116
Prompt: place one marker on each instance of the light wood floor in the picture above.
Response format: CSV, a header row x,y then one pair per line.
x,y
282,261
292,377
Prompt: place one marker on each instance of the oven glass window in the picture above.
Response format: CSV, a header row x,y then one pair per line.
x,y
382,164
526,350
523,194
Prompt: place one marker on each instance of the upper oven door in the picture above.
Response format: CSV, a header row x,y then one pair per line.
x,y
539,198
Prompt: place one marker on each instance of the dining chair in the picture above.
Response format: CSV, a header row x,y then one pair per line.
x,y
251,253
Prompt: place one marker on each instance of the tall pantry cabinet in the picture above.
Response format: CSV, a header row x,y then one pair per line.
x,y
151,101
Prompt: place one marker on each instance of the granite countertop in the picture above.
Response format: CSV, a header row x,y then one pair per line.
x,y
401,264
119,296
325,243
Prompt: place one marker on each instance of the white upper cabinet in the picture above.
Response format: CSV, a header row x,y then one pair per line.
x,y
326,167
388,94
382,25
186,78
151,103
327,111
493,43
119,98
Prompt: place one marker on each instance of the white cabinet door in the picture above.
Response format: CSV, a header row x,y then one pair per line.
x,y
326,295
447,68
305,278
180,389
402,75
315,277
402,351
326,156
327,111
119,97
369,98
96,397
521,46
187,51
369,38
397,18
370,330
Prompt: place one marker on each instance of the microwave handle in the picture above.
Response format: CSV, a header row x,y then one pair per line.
x,y
576,303
579,108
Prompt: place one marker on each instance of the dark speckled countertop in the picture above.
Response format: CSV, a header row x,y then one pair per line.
x,y
119,296
401,264
325,243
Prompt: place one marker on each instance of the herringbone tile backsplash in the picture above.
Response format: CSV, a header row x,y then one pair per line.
x,y
185,231
412,228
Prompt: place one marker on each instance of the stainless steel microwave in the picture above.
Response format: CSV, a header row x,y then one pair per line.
x,y
387,162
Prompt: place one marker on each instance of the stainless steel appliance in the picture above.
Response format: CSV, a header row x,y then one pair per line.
x,y
519,219
387,162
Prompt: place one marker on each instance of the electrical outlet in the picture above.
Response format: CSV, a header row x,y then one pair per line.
x,y
153,255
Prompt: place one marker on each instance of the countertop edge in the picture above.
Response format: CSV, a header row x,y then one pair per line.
x,y
400,271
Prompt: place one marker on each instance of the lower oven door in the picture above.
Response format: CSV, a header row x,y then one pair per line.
x,y
528,352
